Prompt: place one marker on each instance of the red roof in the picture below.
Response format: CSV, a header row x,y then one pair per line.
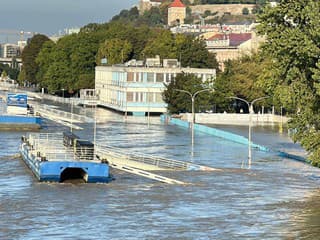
x,y
176,3
238,38
217,37
235,38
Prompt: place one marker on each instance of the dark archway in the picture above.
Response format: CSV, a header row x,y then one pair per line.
x,y
73,175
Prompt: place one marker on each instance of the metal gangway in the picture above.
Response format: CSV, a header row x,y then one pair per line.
x,y
146,162
66,118
141,164
145,174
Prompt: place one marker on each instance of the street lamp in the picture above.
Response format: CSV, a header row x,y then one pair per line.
x,y
281,120
148,100
193,96
250,107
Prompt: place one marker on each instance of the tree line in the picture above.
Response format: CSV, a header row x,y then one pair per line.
x,y
70,62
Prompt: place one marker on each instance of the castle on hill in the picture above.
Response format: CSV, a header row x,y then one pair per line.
x,y
176,10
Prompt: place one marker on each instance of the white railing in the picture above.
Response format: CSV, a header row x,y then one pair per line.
x,y
103,150
50,146
67,116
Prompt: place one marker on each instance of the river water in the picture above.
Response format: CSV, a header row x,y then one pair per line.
x,y
276,199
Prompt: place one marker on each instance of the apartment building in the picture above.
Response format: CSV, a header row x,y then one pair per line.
x,y
137,87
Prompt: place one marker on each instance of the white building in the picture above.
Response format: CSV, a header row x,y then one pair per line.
x,y
9,50
138,89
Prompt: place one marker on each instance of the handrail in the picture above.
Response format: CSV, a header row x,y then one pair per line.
x,y
50,146
63,114
148,159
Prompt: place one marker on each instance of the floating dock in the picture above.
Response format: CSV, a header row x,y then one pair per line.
x,y
16,114
62,157
17,123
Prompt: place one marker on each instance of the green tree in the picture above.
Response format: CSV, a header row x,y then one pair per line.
x,y
59,74
193,53
4,74
44,60
241,78
115,51
29,56
162,44
293,32
9,71
179,101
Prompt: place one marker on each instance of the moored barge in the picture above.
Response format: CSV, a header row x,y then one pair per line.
x,y
57,157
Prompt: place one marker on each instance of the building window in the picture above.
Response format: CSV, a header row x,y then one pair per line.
x,y
149,96
150,77
159,97
130,76
129,97
159,77
136,77
138,97
167,77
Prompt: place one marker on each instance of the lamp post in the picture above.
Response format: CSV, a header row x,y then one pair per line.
x,y
193,96
71,127
281,121
250,107
148,99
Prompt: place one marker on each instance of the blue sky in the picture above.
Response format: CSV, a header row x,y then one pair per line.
x,y
50,16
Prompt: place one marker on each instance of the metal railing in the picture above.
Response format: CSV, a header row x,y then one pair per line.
x,y
67,116
164,163
49,146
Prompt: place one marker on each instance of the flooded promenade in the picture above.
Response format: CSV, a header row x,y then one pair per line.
x,y
276,199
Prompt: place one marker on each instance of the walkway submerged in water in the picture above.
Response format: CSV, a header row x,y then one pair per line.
x,y
141,164
233,138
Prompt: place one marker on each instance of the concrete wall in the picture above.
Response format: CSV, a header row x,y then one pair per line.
x,y
235,119
234,9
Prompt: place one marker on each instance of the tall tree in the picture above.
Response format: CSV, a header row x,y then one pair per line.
x,y
292,32
241,78
29,56
115,51
179,101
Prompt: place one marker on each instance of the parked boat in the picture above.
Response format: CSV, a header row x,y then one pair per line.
x,y
57,157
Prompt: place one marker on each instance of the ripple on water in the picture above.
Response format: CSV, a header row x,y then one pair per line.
x,y
277,198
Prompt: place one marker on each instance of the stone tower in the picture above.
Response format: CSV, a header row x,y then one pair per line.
x,y
176,13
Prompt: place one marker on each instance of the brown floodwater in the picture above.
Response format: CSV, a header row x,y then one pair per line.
x,y
277,198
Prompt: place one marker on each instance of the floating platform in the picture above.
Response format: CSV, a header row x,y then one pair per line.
x,y
62,157
11,122
16,114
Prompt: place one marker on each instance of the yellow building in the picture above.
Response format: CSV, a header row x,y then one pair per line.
x,y
176,13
